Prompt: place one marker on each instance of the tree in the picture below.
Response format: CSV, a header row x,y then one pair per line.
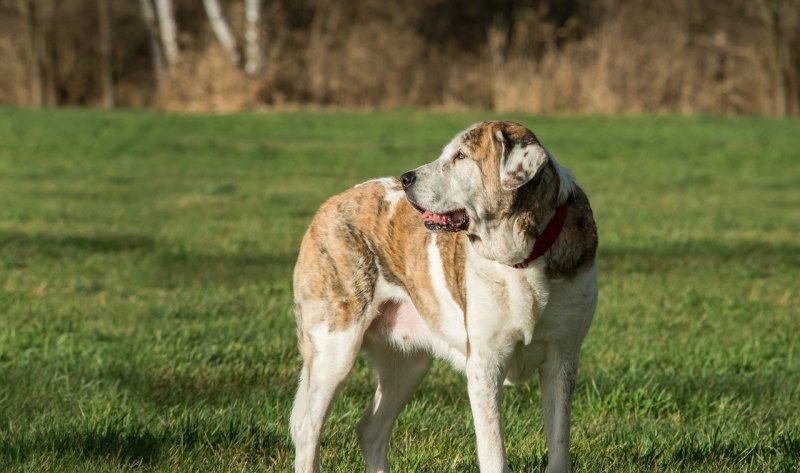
x,y
156,52
106,72
168,30
782,19
252,51
222,31
35,51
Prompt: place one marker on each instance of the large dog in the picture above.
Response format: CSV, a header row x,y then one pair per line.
x,y
502,283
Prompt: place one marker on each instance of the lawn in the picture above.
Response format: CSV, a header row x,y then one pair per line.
x,y
145,292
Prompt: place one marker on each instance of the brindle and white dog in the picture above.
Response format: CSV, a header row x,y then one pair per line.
x,y
502,283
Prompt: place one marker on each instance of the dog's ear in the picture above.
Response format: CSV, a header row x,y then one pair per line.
x,y
523,157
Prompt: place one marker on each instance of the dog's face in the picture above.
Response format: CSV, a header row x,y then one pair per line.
x,y
472,186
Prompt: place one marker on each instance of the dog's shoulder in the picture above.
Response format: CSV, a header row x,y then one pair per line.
x,y
360,206
576,248
370,231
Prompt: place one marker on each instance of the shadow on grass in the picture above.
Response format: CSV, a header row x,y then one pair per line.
x,y
756,257
231,270
131,447
135,447
176,266
176,389
145,444
66,244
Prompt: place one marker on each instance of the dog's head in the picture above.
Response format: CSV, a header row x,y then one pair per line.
x,y
488,181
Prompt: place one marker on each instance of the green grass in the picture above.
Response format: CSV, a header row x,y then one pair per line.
x,y
145,292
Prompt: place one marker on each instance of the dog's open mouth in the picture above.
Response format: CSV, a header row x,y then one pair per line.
x,y
454,221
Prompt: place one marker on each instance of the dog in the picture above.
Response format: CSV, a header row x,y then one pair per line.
x,y
485,257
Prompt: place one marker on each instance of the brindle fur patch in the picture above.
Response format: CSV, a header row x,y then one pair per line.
x,y
576,247
453,255
351,241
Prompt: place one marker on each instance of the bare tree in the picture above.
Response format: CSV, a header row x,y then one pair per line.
x,y
35,51
151,25
781,18
222,31
169,32
252,51
106,73
328,16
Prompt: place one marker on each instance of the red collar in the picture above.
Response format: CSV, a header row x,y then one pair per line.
x,y
548,236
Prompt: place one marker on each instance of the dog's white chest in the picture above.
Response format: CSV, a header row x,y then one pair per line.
x,y
503,307
505,302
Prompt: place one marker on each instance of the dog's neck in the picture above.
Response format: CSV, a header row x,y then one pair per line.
x,y
511,238
548,236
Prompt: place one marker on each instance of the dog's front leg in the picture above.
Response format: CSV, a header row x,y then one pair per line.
x,y
557,376
485,376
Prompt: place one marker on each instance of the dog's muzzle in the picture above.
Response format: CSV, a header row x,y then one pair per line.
x,y
451,221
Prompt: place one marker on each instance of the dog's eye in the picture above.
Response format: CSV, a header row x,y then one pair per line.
x,y
458,156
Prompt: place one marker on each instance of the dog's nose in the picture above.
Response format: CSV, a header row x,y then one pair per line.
x,y
408,178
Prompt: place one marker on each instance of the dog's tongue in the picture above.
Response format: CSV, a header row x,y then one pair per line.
x,y
435,218
456,218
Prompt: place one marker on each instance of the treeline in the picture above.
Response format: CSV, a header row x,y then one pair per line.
x,y
575,56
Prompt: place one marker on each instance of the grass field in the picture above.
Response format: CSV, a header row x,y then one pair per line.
x,y
145,292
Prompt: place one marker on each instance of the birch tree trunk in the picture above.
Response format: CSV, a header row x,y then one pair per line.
x,y
169,32
222,31
149,17
106,73
252,51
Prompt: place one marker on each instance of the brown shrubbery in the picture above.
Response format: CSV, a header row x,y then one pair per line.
x,y
606,56
648,57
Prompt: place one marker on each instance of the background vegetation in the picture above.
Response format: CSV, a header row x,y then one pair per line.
x,y
598,56
145,292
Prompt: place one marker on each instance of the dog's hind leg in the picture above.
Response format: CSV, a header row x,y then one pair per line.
x,y
328,357
399,374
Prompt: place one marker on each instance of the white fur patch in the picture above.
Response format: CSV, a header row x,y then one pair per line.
x,y
521,165
394,191
452,317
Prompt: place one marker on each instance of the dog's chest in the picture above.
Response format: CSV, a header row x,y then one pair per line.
x,y
503,302
502,309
